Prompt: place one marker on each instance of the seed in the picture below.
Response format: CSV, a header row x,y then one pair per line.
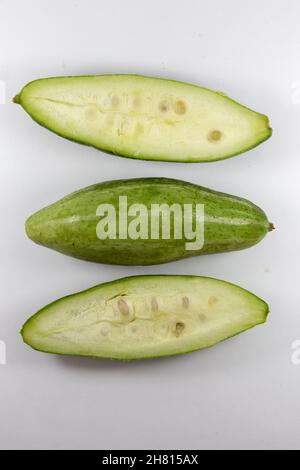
x,y
154,304
123,126
164,106
185,302
109,122
91,114
115,101
123,307
214,136
104,331
139,129
179,327
212,300
180,107
132,330
136,102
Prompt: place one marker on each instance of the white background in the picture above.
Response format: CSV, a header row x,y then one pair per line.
x,y
243,393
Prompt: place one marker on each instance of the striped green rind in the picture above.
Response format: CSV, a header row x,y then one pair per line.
x,y
69,225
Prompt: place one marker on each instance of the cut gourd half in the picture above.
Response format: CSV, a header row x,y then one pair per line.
x,y
144,118
143,317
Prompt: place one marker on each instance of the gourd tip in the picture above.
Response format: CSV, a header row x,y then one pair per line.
x,y
16,99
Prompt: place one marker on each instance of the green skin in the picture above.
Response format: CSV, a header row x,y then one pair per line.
x,y
31,326
230,223
18,99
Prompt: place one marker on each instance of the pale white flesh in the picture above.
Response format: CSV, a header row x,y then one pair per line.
x,y
142,117
145,316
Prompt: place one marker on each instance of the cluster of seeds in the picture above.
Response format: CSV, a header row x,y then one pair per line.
x,y
124,314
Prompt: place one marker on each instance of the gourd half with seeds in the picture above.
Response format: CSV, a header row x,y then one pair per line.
x,y
144,316
145,118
